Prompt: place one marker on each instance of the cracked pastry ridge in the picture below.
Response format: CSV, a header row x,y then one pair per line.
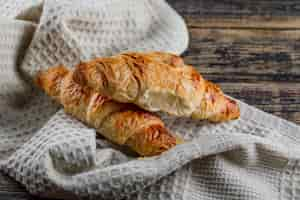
x,y
121,123
157,81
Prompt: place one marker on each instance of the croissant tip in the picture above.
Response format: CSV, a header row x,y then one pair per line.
x,y
160,138
233,109
38,79
48,79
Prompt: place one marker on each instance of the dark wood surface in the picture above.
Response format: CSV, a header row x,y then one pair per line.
x,y
251,48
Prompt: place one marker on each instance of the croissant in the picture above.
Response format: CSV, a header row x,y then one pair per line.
x,y
157,81
121,123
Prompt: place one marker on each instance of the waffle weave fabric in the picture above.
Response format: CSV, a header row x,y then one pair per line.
x,y
53,155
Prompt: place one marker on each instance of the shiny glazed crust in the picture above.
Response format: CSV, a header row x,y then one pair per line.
x,y
157,81
121,123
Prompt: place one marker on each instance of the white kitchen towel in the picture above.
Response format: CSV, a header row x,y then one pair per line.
x,y
56,156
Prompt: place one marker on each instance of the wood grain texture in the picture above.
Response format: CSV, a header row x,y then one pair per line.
x,y
245,22
256,14
245,55
249,47
9,185
237,8
10,189
281,99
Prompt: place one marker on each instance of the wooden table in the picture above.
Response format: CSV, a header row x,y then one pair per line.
x,y
250,47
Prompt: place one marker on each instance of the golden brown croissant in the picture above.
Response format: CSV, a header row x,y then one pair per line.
x,y
157,81
124,124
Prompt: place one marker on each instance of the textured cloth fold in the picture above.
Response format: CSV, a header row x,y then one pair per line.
x,y
53,155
